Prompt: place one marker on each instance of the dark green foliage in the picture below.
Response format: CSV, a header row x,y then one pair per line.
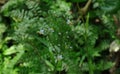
x,y
43,37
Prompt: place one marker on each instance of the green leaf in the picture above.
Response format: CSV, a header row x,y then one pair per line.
x,y
110,5
95,54
10,51
77,0
9,5
13,49
82,59
59,65
2,28
50,65
104,65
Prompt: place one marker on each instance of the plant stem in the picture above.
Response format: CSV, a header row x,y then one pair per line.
x,y
89,58
90,64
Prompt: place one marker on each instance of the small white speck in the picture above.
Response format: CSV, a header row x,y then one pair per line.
x,y
59,57
68,21
67,32
42,31
59,33
70,47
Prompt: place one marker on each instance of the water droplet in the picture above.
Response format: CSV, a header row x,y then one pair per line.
x,y
59,33
68,21
42,31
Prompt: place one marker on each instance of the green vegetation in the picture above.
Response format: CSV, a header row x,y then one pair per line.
x,y
59,36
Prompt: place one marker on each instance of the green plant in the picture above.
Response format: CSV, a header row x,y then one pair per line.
x,y
43,37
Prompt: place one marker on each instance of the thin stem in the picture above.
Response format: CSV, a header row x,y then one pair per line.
x,y
89,58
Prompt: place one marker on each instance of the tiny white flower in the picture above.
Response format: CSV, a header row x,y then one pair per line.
x,y
68,21
41,31
59,57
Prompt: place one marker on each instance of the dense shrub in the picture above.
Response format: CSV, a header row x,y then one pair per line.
x,y
56,37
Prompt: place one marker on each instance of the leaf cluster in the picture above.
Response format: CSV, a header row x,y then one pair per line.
x,y
41,37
